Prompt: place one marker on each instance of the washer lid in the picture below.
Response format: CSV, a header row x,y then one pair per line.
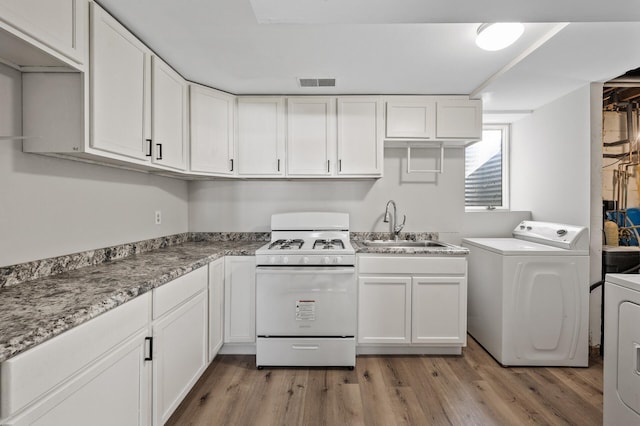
x,y
631,281
517,247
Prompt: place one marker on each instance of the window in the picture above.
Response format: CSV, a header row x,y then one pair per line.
x,y
486,171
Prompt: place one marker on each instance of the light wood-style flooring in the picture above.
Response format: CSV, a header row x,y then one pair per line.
x,y
472,389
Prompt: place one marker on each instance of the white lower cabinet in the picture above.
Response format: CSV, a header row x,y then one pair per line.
x,y
384,310
180,349
438,310
411,304
134,364
216,307
240,299
95,374
113,391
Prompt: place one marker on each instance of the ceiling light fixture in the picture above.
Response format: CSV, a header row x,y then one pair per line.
x,y
499,35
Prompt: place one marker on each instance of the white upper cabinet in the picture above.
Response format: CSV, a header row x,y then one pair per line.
x,y
360,142
138,102
56,24
411,118
433,118
119,88
261,136
311,136
211,131
459,119
168,116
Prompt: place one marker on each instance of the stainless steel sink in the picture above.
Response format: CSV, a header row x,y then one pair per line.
x,y
404,243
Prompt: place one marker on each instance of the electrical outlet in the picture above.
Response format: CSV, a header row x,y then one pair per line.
x,y
158,217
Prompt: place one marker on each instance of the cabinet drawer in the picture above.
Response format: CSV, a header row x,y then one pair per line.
x,y
29,375
306,352
177,291
389,264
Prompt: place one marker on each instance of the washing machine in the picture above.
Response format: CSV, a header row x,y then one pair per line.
x,y
528,295
622,350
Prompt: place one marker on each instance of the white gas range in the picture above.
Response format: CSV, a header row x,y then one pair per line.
x,y
306,292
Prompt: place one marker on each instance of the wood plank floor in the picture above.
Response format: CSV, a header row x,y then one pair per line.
x,y
472,389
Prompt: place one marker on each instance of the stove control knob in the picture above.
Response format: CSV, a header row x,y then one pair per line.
x,y
327,260
272,259
305,260
338,259
285,259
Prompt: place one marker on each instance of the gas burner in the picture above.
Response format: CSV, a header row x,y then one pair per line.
x,y
326,244
286,244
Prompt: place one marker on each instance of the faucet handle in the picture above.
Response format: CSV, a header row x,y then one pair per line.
x,y
399,227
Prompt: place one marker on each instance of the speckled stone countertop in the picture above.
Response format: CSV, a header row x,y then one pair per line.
x,y
35,311
42,299
423,251
358,237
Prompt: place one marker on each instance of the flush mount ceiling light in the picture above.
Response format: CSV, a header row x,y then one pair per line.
x,y
499,35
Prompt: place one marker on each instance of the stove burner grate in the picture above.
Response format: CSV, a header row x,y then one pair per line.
x,y
326,244
294,244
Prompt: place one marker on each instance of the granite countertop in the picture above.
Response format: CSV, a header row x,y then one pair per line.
x,y
450,250
35,311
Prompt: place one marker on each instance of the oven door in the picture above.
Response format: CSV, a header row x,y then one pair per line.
x,y
305,301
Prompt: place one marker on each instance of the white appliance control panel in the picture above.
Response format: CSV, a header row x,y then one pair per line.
x,y
560,235
295,260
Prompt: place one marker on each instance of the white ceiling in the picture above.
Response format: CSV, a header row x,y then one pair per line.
x,y
390,46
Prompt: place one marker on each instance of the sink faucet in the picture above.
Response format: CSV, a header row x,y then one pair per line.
x,y
394,223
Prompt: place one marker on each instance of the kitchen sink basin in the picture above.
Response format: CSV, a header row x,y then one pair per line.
x,y
404,243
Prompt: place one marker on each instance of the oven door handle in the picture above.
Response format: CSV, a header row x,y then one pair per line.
x,y
309,270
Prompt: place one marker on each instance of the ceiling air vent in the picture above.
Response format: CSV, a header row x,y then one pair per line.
x,y
317,82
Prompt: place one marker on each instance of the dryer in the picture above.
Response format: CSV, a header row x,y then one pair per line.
x,y
622,350
528,296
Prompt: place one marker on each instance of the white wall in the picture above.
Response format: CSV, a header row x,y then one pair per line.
x,y
431,202
550,161
51,207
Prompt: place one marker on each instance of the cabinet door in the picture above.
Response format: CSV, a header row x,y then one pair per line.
x,y
119,88
211,131
179,355
384,310
311,136
114,390
439,310
168,116
360,150
411,119
216,307
60,24
260,137
459,119
240,299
